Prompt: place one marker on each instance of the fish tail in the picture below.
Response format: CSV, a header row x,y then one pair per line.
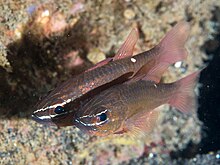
x,y
184,98
172,45
171,49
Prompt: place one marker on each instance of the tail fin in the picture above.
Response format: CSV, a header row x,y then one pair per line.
x,y
171,49
173,43
184,98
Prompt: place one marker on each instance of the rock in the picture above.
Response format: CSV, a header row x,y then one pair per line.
x,y
129,14
95,56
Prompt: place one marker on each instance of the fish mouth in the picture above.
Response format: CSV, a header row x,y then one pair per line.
x,y
82,127
45,121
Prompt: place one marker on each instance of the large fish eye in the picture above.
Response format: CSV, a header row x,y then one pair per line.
x,y
102,116
59,109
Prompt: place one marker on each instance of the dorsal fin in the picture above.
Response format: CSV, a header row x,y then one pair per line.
x,y
126,50
99,64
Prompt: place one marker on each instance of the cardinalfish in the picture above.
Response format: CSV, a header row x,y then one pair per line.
x,y
131,107
59,107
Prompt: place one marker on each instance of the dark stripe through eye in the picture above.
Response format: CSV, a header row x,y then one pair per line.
x,y
59,110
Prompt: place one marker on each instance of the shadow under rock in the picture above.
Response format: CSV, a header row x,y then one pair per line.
x,y
38,65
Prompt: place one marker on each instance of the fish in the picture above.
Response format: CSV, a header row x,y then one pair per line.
x,y
132,107
63,102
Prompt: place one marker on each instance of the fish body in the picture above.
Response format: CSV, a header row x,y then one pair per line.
x,y
52,109
130,106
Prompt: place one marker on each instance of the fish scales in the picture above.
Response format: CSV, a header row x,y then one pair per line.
x,y
146,94
132,105
74,87
70,95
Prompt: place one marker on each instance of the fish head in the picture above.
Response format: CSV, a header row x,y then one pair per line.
x,y
49,115
57,107
100,122
100,117
49,110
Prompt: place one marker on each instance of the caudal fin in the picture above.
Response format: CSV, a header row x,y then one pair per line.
x,y
171,49
184,98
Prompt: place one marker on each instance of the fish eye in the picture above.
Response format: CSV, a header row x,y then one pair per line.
x,y
59,110
102,117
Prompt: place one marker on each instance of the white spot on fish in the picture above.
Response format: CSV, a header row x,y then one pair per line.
x,y
53,106
101,112
155,85
133,60
43,117
178,64
45,13
151,155
175,118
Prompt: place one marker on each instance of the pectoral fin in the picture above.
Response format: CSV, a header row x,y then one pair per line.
x,y
141,124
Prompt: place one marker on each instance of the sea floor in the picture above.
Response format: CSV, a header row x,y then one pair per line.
x,y
43,43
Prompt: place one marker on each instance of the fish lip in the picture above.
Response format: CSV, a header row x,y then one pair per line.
x,y
42,121
77,123
83,128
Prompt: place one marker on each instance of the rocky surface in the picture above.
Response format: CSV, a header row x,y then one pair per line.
x,y
44,43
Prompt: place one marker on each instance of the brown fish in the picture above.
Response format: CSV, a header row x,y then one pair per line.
x,y
60,105
130,107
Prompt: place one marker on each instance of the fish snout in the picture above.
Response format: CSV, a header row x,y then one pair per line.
x,y
42,119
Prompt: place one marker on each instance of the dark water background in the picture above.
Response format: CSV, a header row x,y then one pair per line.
x,y
209,101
